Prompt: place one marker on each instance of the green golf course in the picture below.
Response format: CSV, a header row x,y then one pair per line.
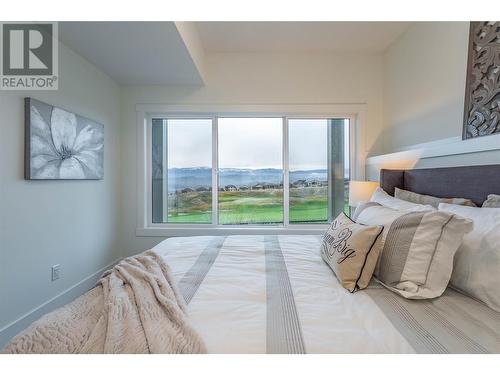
x,y
307,204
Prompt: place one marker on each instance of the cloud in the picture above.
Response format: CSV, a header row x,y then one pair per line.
x,y
248,143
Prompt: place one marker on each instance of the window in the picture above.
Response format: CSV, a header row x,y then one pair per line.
x,y
248,171
318,169
182,170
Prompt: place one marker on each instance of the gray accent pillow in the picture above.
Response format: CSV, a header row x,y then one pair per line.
x,y
493,201
410,196
416,248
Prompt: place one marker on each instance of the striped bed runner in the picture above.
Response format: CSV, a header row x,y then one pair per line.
x,y
284,334
193,278
283,331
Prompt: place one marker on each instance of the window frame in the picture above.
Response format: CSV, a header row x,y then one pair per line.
x,y
145,226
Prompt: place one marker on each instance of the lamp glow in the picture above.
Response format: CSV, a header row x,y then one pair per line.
x,y
361,191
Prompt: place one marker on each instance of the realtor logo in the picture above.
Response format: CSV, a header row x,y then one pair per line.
x,y
29,58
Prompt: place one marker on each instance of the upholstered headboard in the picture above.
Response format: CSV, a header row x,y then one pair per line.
x,y
472,182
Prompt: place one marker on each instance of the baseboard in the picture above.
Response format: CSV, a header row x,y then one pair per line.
x,y
68,295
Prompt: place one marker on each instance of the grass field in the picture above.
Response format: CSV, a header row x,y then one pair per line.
x,y
250,207
308,204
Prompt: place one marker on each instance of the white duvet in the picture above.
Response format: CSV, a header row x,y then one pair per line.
x,y
229,308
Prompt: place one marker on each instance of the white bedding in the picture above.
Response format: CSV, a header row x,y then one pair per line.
x,y
274,294
240,308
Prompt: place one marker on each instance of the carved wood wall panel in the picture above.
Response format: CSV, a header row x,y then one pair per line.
x,y
482,92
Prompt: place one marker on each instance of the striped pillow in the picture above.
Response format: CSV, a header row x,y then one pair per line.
x,y
417,248
412,197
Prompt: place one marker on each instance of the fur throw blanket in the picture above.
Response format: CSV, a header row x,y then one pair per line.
x,y
135,308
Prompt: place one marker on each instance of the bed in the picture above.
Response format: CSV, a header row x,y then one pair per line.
x,y
275,294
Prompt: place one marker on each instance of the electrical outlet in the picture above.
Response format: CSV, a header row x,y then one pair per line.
x,y
56,268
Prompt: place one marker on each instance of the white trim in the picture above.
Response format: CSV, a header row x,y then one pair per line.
x,y
439,142
227,230
141,214
13,328
443,147
148,173
254,110
355,112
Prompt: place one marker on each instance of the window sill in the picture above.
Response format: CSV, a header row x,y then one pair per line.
x,y
183,231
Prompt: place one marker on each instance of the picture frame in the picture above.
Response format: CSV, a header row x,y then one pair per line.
x,y
482,90
61,145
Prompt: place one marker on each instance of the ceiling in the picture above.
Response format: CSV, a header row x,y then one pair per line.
x,y
173,53
148,53
368,37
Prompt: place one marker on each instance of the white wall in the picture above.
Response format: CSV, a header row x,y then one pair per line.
x,y
42,223
424,84
253,78
424,88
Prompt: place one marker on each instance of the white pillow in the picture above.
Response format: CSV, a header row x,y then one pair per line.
x,y
381,197
417,248
477,262
492,201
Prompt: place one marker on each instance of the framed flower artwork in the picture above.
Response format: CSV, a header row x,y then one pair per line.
x,y
61,145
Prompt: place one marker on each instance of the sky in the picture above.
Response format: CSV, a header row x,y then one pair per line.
x,y
247,143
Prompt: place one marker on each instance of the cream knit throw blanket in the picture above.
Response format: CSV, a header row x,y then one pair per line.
x,y
136,308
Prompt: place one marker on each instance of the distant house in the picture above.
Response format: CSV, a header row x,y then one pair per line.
x,y
271,186
187,190
299,183
257,187
231,188
244,188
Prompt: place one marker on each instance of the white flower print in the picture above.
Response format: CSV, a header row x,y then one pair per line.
x,y
59,151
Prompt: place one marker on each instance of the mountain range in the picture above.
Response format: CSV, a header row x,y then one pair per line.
x,y
180,178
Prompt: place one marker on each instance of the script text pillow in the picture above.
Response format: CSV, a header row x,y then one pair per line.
x,y
417,248
348,248
381,197
477,262
410,196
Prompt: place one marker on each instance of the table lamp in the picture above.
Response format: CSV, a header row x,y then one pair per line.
x,y
361,191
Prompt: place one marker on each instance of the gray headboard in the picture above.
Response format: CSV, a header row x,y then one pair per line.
x,y
472,182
